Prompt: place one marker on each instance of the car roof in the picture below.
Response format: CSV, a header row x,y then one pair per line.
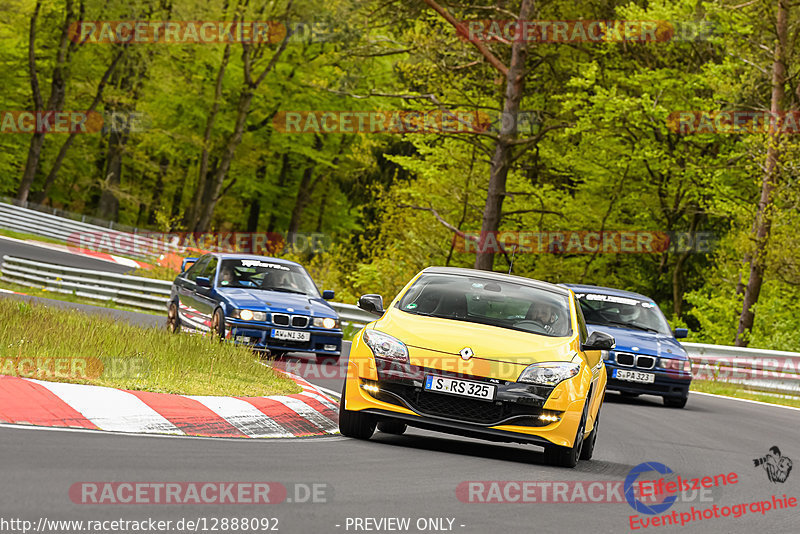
x,y
231,256
500,277
584,288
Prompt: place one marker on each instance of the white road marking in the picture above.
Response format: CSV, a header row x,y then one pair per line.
x,y
745,400
111,409
307,412
247,418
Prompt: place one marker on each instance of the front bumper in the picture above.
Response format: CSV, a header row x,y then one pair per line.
x,y
396,391
668,383
259,337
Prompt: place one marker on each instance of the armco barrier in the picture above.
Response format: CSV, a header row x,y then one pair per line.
x,y
134,291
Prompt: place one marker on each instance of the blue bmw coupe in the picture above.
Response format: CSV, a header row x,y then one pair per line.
x,y
270,304
647,358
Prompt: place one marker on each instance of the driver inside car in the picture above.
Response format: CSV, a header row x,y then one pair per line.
x,y
545,314
226,276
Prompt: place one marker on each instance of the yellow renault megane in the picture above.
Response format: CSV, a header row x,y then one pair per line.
x,y
479,354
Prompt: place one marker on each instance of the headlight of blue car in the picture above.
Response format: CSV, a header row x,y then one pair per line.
x,y
249,315
325,322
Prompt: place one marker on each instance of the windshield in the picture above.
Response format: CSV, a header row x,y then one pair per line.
x,y
266,275
484,301
624,312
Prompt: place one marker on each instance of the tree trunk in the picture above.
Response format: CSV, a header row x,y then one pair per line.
x,y
763,219
501,161
108,208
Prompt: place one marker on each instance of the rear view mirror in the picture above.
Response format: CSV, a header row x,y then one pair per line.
x,y
599,341
327,294
203,281
371,303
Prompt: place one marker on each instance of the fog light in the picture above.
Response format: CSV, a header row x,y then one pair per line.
x,y
550,417
329,347
371,387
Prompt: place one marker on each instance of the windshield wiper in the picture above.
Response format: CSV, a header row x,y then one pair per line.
x,y
634,325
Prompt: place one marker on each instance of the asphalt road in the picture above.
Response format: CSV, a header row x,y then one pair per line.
x,y
415,475
9,247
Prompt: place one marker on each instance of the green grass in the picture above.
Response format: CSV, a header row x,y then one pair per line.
x,y
737,391
28,237
130,357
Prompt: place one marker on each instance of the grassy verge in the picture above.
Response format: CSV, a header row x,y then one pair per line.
x,y
70,346
734,390
28,237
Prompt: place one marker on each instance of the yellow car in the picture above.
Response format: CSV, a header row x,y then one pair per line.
x,y
479,354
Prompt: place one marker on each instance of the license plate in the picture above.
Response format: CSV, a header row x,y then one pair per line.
x,y
634,376
290,335
463,388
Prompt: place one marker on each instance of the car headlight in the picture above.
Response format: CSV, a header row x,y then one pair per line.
x,y
675,365
249,315
385,346
548,374
325,322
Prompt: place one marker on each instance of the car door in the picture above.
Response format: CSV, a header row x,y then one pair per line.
x,y
187,286
204,297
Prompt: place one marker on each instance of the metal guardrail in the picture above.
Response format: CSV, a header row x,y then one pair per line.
x,y
771,371
133,291
29,221
758,369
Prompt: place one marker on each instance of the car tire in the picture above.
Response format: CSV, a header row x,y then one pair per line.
x,y
392,427
588,445
218,324
675,402
566,456
354,424
173,319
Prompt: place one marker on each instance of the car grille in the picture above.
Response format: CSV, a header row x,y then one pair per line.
x,y
627,359
457,408
284,319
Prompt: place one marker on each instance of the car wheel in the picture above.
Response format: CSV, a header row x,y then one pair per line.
x,y
566,456
588,444
173,321
675,402
392,427
354,424
218,324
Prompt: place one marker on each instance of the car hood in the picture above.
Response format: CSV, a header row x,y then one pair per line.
x,y
650,343
276,301
428,335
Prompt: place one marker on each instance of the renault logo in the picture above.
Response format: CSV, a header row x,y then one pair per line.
x,y
466,353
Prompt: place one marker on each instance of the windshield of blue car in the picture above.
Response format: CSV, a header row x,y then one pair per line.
x,y
266,275
622,312
485,301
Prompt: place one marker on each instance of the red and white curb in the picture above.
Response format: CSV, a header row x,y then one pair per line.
x,y
119,260
56,404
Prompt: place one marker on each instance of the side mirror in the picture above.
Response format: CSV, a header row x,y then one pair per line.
x,y
327,294
599,341
188,262
203,281
681,333
371,303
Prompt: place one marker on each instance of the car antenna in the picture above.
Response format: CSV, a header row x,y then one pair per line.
x,y
511,263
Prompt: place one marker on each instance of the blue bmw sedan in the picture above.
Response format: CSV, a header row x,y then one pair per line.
x,y
270,304
647,358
